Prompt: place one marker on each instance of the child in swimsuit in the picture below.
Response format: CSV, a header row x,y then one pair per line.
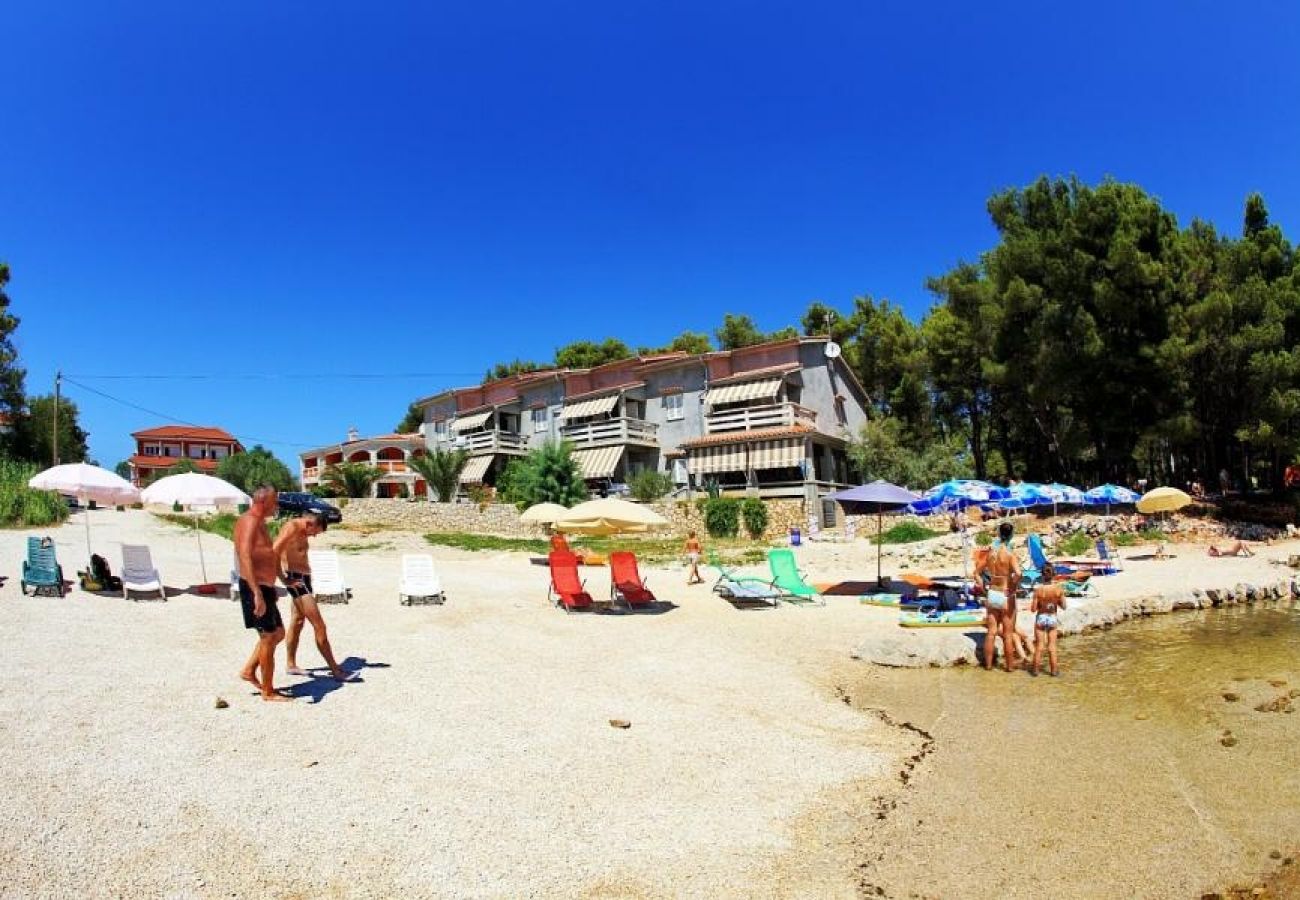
x,y
1049,600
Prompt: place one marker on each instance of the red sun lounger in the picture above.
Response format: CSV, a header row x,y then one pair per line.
x,y
625,581
566,588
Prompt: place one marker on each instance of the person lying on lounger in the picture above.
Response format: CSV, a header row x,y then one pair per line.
x,y
1237,549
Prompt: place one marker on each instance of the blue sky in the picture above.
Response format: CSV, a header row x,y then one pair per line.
x,y
274,196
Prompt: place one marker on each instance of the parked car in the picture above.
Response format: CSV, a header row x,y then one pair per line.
x,y
295,503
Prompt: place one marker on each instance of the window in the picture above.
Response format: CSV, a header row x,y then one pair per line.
x,y
841,413
440,430
171,450
219,452
151,450
196,451
539,419
674,407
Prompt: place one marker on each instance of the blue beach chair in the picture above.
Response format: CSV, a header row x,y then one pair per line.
x,y
41,569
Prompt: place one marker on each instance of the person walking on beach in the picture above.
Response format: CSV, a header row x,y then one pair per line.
x,y
295,571
1001,570
1049,600
693,551
257,597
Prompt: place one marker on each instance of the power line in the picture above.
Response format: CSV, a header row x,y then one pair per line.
x,y
277,376
164,416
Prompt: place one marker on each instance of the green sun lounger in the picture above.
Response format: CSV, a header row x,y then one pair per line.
x,y
787,578
741,589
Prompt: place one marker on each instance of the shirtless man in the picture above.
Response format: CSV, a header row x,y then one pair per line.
x,y
257,570
295,572
1049,600
1003,572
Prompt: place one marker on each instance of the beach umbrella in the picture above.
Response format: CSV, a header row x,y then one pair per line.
x,y
1062,493
1162,499
1107,494
543,513
86,483
875,497
195,491
609,515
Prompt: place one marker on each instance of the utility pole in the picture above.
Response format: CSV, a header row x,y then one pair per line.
x,y
58,383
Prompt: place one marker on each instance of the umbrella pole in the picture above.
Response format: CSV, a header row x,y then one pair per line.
x,y
198,535
880,579
86,510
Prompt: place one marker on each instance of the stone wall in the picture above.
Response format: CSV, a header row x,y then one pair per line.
x,y
684,516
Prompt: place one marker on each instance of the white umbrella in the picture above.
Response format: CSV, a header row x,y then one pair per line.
x,y
86,483
193,489
543,513
610,515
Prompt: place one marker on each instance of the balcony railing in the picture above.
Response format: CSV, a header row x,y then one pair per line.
x,y
486,442
747,418
310,471
611,431
391,465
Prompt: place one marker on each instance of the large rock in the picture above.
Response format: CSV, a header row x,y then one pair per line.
x,y
920,648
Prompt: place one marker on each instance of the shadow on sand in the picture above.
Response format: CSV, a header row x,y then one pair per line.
x,y
322,683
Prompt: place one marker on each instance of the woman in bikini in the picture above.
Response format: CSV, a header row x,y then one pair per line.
x,y
1001,570
1049,600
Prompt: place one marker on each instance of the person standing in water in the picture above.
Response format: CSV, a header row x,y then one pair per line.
x,y
257,596
295,572
1001,570
1049,600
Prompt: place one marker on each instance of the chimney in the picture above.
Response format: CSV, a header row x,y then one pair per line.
x,y
352,434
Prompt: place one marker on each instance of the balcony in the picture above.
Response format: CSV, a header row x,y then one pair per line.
x,y
611,431
310,472
479,442
749,418
389,466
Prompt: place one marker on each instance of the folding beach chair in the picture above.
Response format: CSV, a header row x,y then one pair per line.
x,y
625,582
787,578
139,573
743,589
1109,554
420,581
566,587
327,581
41,570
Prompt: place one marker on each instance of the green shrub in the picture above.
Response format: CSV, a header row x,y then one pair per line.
x,y
219,523
983,539
1153,534
1126,539
22,507
650,485
1075,544
722,517
754,512
907,533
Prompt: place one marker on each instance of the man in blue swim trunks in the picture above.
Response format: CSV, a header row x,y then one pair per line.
x,y
1001,570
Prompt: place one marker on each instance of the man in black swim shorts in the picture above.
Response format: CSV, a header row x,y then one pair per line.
x,y
257,570
291,555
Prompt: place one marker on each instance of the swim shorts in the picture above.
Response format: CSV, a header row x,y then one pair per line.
x,y
997,599
270,620
1045,621
290,579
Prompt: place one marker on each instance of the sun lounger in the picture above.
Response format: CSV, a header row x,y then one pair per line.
x,y
139,573
625,582
787,578
742,589
420,581
327,581
567,589
1107,561
41,570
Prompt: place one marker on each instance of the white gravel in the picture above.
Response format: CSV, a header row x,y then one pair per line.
x,y
474,759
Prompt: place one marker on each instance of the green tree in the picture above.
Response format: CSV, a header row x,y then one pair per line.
x,y
649,484
350,479
183,465
880,451
694,342
740,331
34,431
588,354
123,469
549,474
441,470
258,466
11,374
515,367
412,421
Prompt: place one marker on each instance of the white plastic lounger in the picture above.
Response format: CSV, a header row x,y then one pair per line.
x,y
420,581
234,574
326,578
139,573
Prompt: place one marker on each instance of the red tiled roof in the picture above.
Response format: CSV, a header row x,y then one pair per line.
x,y
757,434
386,437
166,462
192,432
755,374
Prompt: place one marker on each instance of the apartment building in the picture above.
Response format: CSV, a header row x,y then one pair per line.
x,y
389,453
158,449
770,420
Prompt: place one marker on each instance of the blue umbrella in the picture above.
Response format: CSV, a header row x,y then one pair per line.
x,y
1106,494
877,497
1063,493
967,489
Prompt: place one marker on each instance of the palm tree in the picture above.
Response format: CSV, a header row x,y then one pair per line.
x,y
350,479
441,470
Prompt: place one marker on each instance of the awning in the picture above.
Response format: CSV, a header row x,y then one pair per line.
x,y
786,454
594,407
600,462
475,469
724,458
763,389
469,423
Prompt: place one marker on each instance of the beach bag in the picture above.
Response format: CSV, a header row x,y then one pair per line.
x,y
103,575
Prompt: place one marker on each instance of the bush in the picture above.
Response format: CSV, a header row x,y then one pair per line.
x,y
754,512
722,517
650,485
1075,544
908,533
22,507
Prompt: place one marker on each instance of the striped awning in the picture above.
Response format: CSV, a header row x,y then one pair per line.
x,y
467,423
475,469
599,462
762,389
593,407
783,454
723,458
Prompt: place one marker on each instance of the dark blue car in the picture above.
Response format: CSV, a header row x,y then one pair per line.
x,y
295,503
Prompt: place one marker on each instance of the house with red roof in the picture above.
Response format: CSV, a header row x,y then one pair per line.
x,y
158,449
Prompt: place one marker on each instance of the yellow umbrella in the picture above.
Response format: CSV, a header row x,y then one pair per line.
x,y
610,515
1162,499
543,513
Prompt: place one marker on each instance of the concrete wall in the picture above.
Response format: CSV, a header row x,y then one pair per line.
x,y
821,384
689,377
551,393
